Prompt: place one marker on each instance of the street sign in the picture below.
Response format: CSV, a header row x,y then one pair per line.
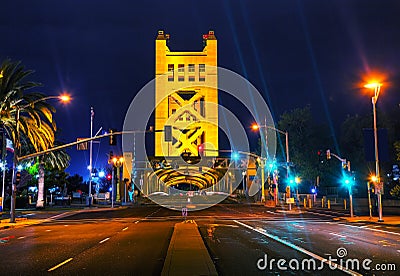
x,y
83,145
290,200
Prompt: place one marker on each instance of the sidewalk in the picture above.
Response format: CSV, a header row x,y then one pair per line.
x,y
387,220
29,217
25,217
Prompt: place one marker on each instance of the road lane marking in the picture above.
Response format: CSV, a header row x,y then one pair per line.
x,y
106,239
136,222
60,264
335,234
320,214
373,229
48,230
298,248
20,238
126,228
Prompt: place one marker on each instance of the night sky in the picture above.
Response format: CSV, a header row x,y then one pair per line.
x,y
296,52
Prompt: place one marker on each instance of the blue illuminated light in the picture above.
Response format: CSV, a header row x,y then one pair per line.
x,y
235,156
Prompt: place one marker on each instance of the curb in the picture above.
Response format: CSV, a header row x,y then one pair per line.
x,y
369,222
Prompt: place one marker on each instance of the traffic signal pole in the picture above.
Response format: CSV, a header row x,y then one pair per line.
x,y
347,164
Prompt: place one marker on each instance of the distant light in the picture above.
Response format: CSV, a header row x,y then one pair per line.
x,y
110,189
102,174
255,126
19,167
374,178
313,190
89,167
297,180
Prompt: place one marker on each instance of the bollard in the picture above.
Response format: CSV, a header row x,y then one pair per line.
x,y
345,205
305,203
322,202
329,204
309,203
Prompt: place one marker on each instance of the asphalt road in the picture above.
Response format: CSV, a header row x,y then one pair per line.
x,y
241,240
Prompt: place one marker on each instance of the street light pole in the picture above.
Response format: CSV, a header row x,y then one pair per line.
x,y
377,89
17,147
90,155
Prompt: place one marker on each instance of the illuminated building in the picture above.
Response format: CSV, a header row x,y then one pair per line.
x,y
186,97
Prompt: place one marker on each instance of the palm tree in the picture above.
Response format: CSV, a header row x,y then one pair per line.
x,y
35,125
26,118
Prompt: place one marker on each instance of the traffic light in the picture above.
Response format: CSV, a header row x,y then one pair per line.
x,y
17,177
287,191
320,156
328,154
113,140
347,180
168,133
200,150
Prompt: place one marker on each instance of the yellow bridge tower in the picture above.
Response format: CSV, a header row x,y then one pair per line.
x,y
186,98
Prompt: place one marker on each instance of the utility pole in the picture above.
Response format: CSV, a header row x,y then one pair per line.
x,y
91,155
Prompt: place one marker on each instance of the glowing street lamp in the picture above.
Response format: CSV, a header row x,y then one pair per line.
x,y
377,88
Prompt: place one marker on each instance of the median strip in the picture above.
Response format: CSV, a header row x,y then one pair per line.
x,y
187,254
60,264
